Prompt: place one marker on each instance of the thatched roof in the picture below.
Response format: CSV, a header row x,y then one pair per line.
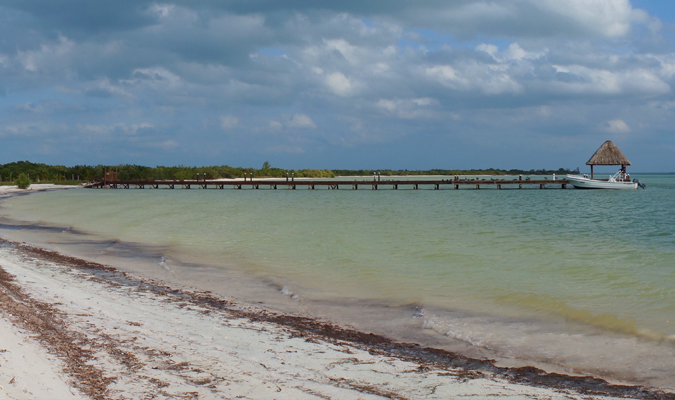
x,y
608,154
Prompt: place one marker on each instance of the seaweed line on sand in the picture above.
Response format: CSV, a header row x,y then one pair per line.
x,y
45,322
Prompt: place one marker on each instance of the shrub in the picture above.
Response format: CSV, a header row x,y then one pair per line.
x,y
22,181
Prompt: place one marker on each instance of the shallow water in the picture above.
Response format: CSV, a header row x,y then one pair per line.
x,y
581,280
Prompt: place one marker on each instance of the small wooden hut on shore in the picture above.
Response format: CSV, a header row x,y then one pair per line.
x,y
609,154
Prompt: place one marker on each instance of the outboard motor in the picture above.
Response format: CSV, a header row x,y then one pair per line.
x,y
642,185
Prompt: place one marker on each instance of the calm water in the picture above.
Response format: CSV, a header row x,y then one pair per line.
x,y
581,280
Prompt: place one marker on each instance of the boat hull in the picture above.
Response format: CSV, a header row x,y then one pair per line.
x,y
580,182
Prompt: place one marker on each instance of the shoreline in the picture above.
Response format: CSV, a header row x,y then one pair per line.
x,y
13,190
70,286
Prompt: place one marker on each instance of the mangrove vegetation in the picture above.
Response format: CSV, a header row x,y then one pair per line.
x,y
36,172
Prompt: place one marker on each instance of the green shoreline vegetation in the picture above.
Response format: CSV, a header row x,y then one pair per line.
x,y
59,174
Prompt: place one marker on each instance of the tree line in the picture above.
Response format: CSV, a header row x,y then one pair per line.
x,y
37,172
59,173
490,171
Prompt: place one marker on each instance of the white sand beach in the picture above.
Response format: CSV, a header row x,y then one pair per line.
x,y
6,190
75,329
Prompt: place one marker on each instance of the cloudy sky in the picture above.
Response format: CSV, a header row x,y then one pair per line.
x,y
348,84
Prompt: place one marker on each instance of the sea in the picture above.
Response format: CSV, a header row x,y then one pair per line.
x,y
573,281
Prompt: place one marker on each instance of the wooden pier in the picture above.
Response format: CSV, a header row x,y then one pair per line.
x,y
375,184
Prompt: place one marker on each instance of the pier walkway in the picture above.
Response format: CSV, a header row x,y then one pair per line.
x,y
456,183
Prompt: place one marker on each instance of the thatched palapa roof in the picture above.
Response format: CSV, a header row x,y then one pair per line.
x,y
608,154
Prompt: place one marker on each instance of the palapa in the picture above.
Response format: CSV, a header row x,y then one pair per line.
x,y
608,154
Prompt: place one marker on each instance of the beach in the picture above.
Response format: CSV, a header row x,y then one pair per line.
x,y
78,328
8,190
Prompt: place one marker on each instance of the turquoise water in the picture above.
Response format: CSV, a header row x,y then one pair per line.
x,y
547,275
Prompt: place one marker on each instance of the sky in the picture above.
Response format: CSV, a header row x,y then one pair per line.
x,y
398,84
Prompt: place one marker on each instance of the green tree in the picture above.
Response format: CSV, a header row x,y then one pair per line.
x,y
22,181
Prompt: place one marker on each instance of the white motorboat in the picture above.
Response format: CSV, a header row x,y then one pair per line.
x,y
607,154
614,182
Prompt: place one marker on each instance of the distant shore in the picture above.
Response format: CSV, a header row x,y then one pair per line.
x,y
139,172
6,190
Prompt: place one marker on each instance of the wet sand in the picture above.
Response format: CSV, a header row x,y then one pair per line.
x,y
86,330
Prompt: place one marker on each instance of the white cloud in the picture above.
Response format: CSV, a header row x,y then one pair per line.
x,y
488,79
667,63
32,129
616,126
600,81
491,49
228,122
408,108
161,10
340,84
297,121
47,55
104,86
424,101
652,23
113,130
155,75
610,18
515,52
525,18
448,77
349,52
301,121
512,53
387,104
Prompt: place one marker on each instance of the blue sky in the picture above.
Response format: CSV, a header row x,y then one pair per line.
x,y
663,9
306,84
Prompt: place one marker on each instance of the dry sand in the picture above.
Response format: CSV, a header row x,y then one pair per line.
x,y
75,329
7,190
